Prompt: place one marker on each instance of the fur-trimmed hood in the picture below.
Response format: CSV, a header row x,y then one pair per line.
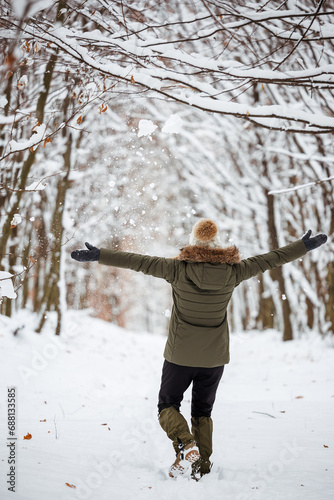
x,y
196,253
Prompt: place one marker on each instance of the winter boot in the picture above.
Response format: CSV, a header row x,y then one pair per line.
x,y
202,428
188,455
176,427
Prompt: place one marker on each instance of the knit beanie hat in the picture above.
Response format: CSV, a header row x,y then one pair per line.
x,y
205,234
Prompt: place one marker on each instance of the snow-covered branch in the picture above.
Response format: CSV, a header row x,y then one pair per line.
x,y
171,60
301,186
167,83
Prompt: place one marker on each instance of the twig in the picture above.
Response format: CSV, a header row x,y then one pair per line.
x,y
56,430
126,27
303,35
264,413
3,186
301,186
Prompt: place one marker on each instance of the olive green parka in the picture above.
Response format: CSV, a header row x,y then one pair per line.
x,y
202,281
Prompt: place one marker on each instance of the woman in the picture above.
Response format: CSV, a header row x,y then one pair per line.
x,y
203,277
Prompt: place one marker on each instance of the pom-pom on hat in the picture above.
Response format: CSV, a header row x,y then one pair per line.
x,y
205,233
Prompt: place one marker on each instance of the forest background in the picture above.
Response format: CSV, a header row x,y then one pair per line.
x,y
123,122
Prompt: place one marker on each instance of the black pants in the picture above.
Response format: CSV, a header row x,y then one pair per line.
x,y
175,381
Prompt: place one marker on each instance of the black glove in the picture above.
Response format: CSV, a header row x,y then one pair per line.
x,y
89,255
315,242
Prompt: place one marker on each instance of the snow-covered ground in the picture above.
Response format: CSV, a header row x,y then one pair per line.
x,y
88,400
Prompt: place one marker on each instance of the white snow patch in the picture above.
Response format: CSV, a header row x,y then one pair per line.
x,y
173,125
37,136
36,186
3,101
146,127
22,82
17,219
6,286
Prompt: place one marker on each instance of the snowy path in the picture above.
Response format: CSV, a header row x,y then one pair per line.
x,y
88,399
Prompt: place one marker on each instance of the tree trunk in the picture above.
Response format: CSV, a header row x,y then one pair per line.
x,y
277,273
265,316
52,288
